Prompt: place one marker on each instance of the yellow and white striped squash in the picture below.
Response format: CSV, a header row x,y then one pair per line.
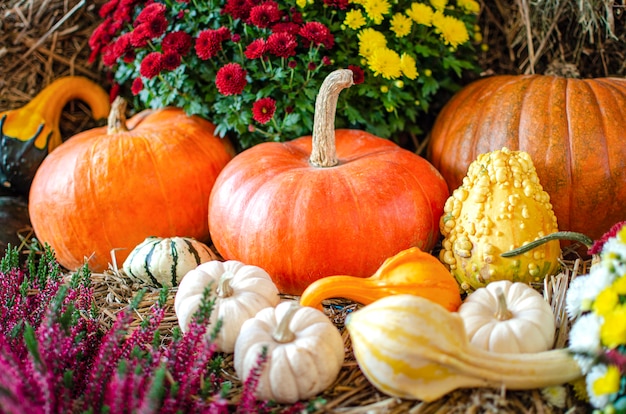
x,y
410,347
161,261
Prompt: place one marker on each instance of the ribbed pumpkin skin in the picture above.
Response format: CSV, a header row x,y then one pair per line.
x,y
98,192
572,128
271,208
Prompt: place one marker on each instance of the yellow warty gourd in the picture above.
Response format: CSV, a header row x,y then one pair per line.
x,y
500,206
410,347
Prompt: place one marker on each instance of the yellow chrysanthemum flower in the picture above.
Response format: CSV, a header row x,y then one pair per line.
x,y
439,5
613,329
370,40
377,9
386,63
470,6
606,301
301,3
408,66
619,286
452,31
354,19
421,13
358,1
609,383
400,25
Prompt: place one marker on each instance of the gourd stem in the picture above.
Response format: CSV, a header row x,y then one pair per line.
x,y
323,152
559,235
117,117
282,333
224,289
502,310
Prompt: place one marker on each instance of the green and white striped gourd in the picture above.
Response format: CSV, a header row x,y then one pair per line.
x,y
164,261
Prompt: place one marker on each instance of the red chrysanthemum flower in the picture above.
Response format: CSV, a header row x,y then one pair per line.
x,y
108,8
256,49
170,61
358,75
140,36
177,42
292,64
288,27
339,4
326,61
282,44
311,66
149,13
108,56
130,56
235,37
265,14
122,45
296,16
154,28
151,65
209,43
316,33
137,86
114,92
238,9
597,245
263,110
231,79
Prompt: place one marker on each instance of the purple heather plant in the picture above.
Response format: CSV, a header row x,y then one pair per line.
x,y
54,358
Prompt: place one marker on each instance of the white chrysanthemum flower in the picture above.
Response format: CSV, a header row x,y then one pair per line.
x,y
584,336
584,362
600,278
599,401
555,395
575,295
614,255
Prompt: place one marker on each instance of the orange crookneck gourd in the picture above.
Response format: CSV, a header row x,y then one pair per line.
x,y
411,271
28,134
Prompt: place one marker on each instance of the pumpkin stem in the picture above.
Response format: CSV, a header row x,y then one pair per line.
x,y
323,152
282,333
559,235
117,117
502,310
224,289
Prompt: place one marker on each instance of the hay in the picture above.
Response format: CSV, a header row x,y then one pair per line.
x,y
351,392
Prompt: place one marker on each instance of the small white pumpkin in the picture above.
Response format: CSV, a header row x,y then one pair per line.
x,y
164,261
305,352
240,291
508,317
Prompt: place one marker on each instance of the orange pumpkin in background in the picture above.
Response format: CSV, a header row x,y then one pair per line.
x,y
111,188
336,202
573,130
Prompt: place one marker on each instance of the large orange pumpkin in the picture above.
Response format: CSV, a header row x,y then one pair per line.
x,y
336,202
110,189
573,130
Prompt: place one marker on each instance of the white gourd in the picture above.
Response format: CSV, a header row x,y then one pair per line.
x,y
240,291
508,317
305,352
161,261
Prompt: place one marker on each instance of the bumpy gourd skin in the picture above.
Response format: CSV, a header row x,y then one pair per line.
x,y
500,206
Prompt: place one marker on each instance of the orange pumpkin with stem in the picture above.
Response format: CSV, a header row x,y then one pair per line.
x,y
336,202
108,189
